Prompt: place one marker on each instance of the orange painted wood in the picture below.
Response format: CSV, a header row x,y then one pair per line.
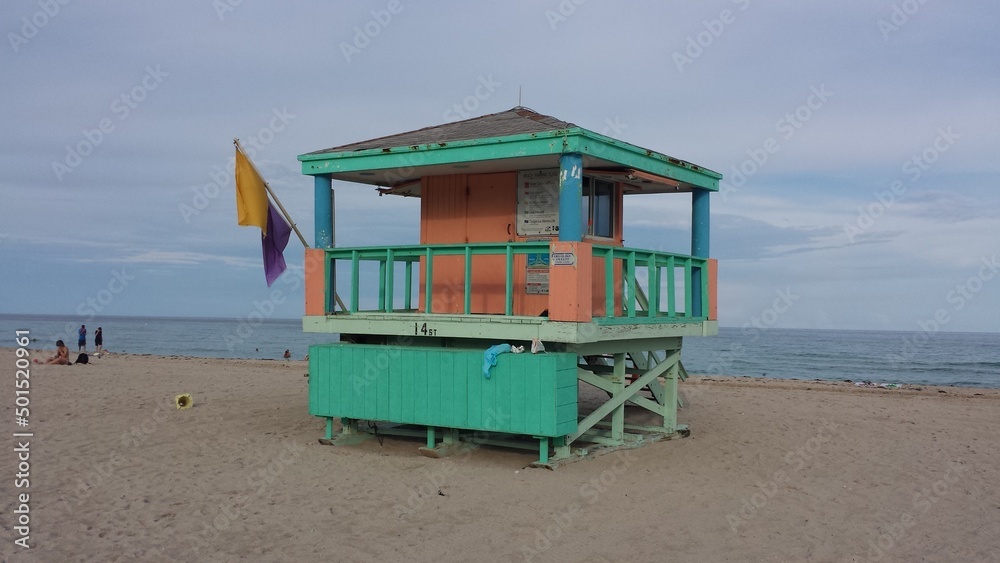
x,y
315,282
490,207
570,287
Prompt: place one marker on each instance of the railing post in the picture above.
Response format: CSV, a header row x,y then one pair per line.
x,y
468,280
508,296
609,282
671,287
428,280
653,286
408,284
390,262
688,289
355,279
705,276
630,278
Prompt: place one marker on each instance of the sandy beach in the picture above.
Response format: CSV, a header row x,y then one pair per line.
x,y
774,470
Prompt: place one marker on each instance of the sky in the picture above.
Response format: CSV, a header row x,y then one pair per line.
x,y
858,142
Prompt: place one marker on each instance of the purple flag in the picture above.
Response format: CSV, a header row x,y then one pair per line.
x,y
274,243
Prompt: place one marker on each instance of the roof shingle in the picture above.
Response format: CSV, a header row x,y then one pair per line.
x,y
515,121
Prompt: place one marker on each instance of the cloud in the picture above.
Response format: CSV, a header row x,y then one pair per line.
x,y
176,257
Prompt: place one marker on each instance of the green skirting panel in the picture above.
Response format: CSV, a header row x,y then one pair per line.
x,y
531,394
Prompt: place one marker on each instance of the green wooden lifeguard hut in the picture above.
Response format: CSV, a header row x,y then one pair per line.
x,y
520,241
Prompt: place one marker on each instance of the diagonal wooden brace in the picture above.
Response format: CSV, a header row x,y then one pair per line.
x,y
620,398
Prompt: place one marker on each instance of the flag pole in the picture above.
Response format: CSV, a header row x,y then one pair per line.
x,y
271,193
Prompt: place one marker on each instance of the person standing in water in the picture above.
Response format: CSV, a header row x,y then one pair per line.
x,y
99,340
82,342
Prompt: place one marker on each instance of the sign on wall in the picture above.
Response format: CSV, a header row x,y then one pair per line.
x,y
536,279
538,202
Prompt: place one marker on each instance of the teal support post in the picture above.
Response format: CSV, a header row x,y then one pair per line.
x,y
323,233
699,245
323,201
431,439
699,223
571,197
329,428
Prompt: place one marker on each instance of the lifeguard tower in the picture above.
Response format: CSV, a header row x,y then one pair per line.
x,y
520,240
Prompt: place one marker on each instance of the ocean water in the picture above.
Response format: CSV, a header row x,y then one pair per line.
x,y
168,336
918,358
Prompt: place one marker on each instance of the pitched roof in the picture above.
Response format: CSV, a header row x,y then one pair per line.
x,y
515,121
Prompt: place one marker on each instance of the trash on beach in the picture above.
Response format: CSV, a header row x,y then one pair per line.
x,y
184,401
878,385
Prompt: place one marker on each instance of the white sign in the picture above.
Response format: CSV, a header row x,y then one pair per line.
x,y
538,202
563,259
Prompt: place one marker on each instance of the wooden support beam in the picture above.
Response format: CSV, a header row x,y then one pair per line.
x,y
624,395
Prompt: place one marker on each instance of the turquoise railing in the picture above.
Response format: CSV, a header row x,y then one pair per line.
x,y
639,304
388,256
641,297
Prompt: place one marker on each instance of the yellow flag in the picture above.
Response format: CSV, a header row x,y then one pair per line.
x,y
251,197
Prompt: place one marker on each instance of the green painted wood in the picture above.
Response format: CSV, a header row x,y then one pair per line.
x,y
553,143
381,286
653,300
671,288
509,281
630,280
329,274
467,287
355,280
408,284
429,280
609,283
390,267
444,387
688,298
636,308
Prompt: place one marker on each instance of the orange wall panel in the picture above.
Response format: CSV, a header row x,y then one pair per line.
x,y
315,283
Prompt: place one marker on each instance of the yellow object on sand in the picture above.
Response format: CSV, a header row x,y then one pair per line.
x,y
184,401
